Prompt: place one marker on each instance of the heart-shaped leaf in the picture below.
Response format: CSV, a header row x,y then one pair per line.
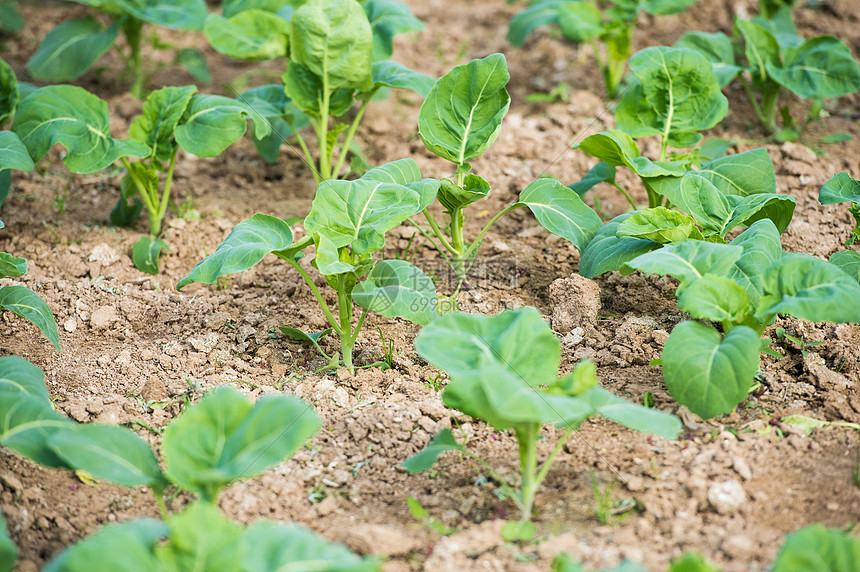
x,y
707,374
840,188
715,298
397,288
816,547
12,266
213,122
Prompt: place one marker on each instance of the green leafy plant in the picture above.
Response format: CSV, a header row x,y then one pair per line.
x,y
423,515
713,199
816,547
688,562
22,301
459,120
74,46
347,224
742,286
609,32
843,188
14,154
338,54
504,370
778,59
172,117
10,18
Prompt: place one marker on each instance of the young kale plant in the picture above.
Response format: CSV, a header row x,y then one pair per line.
x,y
347,224
22,301
338,54
581,21
843,188
777,59
504,369
742,286
217,441
459,120
172,117
74,46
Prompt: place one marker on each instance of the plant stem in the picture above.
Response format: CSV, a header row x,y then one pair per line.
x,y
476,243
527,440
544,468
626,195
306,151
329,316
344,306
432,222
132,28
155,225
344,150
162,507
322,131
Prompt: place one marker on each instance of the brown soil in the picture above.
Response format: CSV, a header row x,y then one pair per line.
x,y
134,348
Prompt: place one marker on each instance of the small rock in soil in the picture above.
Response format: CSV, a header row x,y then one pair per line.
x,y
70,325
726,497
103,317
575,303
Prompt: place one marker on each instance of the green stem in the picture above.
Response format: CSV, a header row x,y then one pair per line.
x,y
544,468
625,193
344,306
769,105
322,131
329,316
162,507
527,440
456,228
149,201
305,150
477,242
155,226
438,232
350,134
132,28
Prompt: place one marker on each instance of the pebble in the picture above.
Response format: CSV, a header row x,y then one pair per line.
x,y
70,325
103,317
742,468
726,497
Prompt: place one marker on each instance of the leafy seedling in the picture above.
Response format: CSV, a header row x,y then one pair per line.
x,y
843,188
22,301
172,117
347,224
688,562
608,32
816,547
742,286
74,46
202,538
338,54
778,59
422,515
504,370
459,120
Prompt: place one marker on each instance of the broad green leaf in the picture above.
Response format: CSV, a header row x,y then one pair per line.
x,y
233,7
715,298
177,14
527,21
19,377
660,225
8,92
270,546
405,172
300,336
707,374
123,547
453,197
519,341
245,246
760,47
13,154
698,197
821,67
809,288
678,96
777,208
607,252
688,260
71,48
146,252
8,550
762,248
387,19
387,73
306,91
561,211
111,453
580,21
201,538
716,48
396,288
613,147
224,437
333,39
194,62
213,122
277,109
76,119
252,35
12,266
462,115
157,122
357,214
26,424
601,172
10,19
743,174
666,7
840,188
426,458
633,415
818,548
25,303
848,261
